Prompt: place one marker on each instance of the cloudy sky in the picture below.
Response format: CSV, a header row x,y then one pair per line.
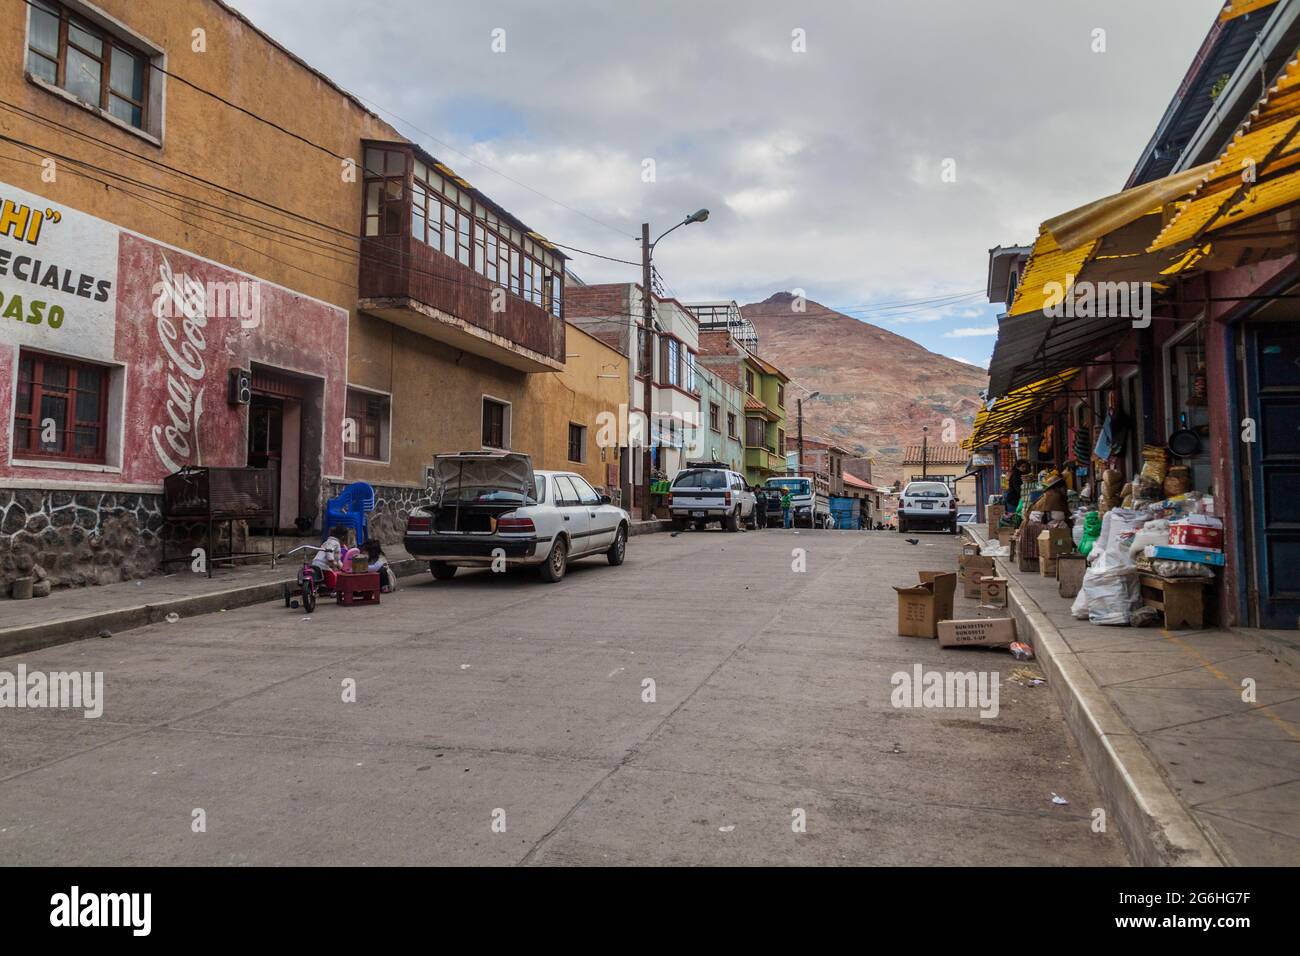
x,y
823,167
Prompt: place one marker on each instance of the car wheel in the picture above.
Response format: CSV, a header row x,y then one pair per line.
x,y
902,526
679,522
557,562
732,522
442,571
618,550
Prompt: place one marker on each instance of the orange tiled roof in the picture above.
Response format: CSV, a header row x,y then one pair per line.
x,y
936,453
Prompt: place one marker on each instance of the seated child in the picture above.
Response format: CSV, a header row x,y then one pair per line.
x,y
379,562
329,560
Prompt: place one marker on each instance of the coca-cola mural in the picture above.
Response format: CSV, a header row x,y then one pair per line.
x,y
172,326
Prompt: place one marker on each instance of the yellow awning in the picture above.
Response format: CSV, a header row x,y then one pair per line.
x,y
1012,410
1239,8
1047,264
1257,172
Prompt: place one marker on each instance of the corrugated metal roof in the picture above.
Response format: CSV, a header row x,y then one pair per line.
x,y
1047,264
1239,8
1266,149
1010,412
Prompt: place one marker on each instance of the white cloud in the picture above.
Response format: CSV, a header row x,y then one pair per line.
x,y
971,332
835,151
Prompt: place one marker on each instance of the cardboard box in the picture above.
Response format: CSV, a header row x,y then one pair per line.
x,y
922,606
1069,574
1006,536
994,514
973,578
1184,552
1054,542
977,632
993,592
1047,566
968,550
1196,535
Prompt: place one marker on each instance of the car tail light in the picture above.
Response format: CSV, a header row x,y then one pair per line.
x,y
670,499
417,525
952,505
726,499
515,525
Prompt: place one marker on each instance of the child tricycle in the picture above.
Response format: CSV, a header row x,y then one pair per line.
x,y
310,583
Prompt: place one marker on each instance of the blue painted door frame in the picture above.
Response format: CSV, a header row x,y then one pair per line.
x,y
1272,403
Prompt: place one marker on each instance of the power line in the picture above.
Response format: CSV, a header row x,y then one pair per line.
x,y
325,149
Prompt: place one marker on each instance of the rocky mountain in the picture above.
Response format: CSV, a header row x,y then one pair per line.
x,y
877,388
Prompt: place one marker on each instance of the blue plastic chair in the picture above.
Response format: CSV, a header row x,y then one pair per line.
x,y
349,509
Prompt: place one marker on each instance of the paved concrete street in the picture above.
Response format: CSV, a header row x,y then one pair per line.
x,y
488,694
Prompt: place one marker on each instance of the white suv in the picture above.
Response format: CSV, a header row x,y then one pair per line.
x,y
703,495
927,504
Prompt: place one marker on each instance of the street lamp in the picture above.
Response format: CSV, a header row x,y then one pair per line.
x,y
924,438
647,304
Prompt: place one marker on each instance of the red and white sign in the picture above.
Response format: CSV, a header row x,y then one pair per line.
x,y
176,326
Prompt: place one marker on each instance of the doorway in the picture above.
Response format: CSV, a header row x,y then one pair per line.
x,y
275,423
1272,354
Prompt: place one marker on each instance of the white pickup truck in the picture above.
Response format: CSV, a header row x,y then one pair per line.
x,y
810,498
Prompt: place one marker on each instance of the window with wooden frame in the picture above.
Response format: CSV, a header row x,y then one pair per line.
x,y
496,424
780,395
368,417
87,61
715,413
448,218
577,442
749,381
385,190
61,411
731,425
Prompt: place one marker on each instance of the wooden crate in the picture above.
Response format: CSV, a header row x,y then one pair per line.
x,y
1181,600
1070,569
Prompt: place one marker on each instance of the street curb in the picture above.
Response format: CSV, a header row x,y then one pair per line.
x,y
653,526
1153,822
33,637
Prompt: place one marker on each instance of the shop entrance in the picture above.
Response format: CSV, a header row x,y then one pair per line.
x,y
275,421
1272,353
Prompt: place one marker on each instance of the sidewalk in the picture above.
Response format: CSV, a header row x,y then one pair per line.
x,y
72,614
1194,774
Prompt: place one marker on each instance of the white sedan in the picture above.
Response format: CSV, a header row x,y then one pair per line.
x,y
491,509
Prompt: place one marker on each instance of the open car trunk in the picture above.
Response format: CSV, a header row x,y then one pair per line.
x,y
471,490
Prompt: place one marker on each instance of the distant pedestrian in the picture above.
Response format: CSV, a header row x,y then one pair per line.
x,y
1012,498
786,505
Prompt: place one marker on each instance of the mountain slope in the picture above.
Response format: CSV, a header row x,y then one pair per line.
x,y
877,388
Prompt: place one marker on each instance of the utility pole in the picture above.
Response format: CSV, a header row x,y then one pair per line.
x,y
799,403
924,449
647,357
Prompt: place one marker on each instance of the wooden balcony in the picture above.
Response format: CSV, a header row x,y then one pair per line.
x,y
412,285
